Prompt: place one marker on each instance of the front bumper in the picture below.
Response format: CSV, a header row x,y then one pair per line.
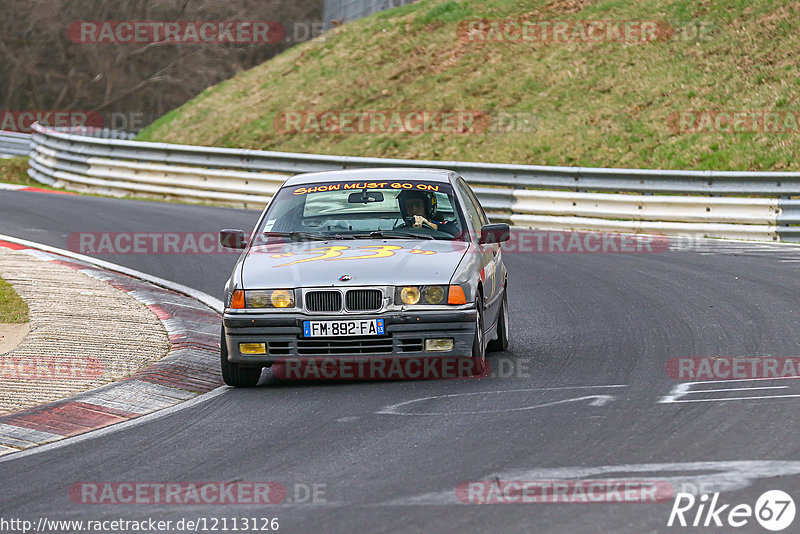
x,y
406,332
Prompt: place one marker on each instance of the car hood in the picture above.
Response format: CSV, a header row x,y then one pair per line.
x,y
374,262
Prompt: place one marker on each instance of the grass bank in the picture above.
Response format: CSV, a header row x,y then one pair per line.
x,y
573,101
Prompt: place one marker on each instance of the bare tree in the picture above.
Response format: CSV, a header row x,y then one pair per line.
x,y
42,67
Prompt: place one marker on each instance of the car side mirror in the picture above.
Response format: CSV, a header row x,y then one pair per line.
x,y
232,239
495,233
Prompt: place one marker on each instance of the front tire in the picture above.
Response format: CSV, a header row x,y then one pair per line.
x,y
233,374
479,365
501,343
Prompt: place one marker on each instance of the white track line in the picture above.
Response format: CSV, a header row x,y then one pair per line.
x,y
213,303
208,300
94,434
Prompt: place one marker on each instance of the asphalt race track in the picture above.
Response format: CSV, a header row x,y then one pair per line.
x,y
582,393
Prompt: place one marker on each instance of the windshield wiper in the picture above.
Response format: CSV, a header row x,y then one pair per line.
x,y
375,234
298,236
397,233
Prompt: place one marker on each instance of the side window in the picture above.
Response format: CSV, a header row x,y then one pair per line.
x,y
473,210
476,202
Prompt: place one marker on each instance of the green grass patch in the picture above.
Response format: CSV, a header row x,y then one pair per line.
x,y
13,309
602,104
15,171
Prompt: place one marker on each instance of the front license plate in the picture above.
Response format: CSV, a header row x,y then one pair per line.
x,y
366,327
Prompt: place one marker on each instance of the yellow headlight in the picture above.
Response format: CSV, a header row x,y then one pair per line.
x,y
282,299
410,295
257,299
434,294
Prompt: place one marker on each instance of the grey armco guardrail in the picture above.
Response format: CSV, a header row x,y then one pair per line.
x,y
14,143
726,204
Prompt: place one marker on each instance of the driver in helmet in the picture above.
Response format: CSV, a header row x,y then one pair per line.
x,y
421,205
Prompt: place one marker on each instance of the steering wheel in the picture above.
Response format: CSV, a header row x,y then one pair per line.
x,y
409,222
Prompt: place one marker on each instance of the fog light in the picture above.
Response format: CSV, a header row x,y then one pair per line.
x,y
439,344
253,348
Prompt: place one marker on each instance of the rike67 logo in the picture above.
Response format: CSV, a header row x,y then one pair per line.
x,y
774,510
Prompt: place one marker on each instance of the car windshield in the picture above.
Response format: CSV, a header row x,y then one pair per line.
x,y
364,209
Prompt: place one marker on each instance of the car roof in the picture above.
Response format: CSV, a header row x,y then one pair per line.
x,y
429,175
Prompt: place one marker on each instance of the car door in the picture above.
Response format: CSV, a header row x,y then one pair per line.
x,y
490,254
